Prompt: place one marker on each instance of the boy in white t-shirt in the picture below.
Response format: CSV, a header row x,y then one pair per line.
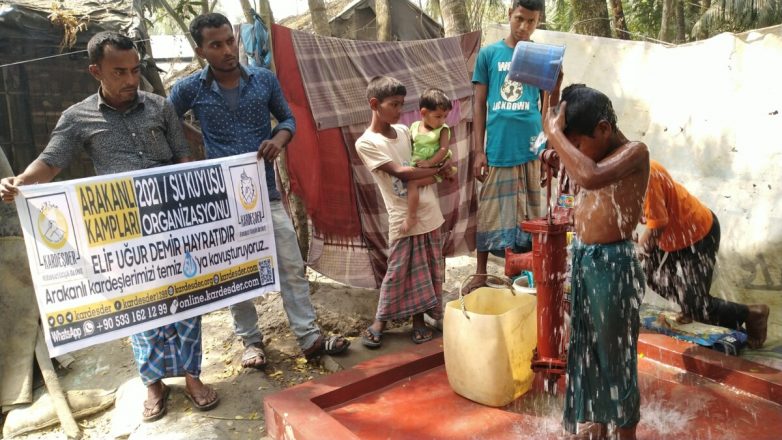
x,y
413,282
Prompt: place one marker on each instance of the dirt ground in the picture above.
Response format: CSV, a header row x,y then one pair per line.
x,y
340,309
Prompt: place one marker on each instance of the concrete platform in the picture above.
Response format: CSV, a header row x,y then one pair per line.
x,y
687,392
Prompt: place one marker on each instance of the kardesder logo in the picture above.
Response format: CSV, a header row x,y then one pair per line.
x,y
52,226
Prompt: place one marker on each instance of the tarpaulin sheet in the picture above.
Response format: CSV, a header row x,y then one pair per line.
x,y
320,164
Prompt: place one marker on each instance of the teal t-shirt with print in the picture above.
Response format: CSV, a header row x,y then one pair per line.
x,y
513,120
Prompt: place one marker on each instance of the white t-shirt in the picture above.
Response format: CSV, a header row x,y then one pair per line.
x,y
375,150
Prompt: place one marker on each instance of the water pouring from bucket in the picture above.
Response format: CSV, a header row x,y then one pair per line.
x,y
537,64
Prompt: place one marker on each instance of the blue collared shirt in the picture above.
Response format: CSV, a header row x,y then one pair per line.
x,y
230,132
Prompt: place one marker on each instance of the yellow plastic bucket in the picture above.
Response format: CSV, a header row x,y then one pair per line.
x,y
488,341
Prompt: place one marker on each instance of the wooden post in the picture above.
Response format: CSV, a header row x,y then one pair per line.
x,y
55,391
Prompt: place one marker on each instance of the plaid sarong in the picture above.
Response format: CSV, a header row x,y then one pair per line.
x,y
414,281
168,351
509,196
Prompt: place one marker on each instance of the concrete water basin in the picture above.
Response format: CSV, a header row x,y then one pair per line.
x,y
687,392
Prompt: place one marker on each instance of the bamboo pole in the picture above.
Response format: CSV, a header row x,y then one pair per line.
x,y
67,421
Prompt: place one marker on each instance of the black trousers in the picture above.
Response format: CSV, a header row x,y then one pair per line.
x,y
685,277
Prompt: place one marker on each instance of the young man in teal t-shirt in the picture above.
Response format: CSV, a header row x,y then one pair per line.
x,y
508,117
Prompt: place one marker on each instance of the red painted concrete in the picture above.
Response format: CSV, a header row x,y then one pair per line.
x,y
407,396
751,377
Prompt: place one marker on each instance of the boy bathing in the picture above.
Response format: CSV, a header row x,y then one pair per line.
x,y
607,281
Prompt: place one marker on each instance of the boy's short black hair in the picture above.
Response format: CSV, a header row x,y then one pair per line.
x,y
434,99
586,107
211,20
532,5
98,42
382,87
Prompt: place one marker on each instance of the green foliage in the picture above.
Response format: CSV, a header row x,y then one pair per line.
x,y
643,17
157,18
737,16
495,11
561,16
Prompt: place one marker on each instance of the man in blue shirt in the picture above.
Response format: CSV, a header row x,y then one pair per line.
x,y
233,105
508,115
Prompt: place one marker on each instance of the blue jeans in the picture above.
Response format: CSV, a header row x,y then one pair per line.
x,y
294,287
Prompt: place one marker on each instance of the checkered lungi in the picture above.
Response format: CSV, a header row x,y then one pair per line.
x,y
168,351
509,196
414,281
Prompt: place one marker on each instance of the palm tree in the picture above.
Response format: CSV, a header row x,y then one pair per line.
x,y
737,16
477,12
383,17
618,15
320,19
562,17
591,17
455,19
665,21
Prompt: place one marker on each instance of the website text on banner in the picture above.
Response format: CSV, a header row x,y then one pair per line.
x,y
119,254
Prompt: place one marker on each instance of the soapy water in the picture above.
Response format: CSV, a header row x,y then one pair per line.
x,y
668,416
546,408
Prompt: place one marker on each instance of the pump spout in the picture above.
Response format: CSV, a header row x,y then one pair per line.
x,y
517,263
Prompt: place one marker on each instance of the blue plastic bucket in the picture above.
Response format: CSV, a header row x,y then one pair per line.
x,y
536,64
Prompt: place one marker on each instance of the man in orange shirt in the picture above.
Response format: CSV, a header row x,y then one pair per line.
x,y
678,251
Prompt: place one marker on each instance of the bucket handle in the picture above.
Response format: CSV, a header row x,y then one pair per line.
x,y
502,281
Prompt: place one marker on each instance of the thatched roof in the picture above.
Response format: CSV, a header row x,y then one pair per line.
x,y
303,21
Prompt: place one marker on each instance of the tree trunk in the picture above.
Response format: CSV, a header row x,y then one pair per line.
x,y
618,14
680,32
542,23
246,9
320,19
205,7
265,11
298,213
455,20
705,5
435,10
665,21
183,26
383,19
591,17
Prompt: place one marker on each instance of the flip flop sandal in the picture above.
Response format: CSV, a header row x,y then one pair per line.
x,y
254,351
163,407
421,335
331,346
370,342
204,407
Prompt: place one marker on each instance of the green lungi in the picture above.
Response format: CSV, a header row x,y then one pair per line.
x,y
602,369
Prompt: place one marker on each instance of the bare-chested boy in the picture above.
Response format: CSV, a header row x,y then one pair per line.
x,y
607,281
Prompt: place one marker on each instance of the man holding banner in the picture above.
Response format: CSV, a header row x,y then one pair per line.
x,y
233,105
124,129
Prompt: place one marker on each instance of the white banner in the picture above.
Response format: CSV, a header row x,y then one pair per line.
x,y
115,255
